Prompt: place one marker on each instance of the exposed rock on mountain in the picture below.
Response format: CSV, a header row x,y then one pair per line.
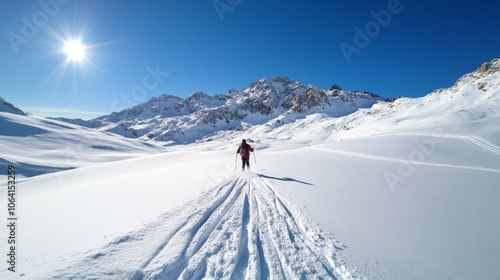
x,y
171,118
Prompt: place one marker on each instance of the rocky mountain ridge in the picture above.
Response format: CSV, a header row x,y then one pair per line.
x,y
481,77
171,118
271,104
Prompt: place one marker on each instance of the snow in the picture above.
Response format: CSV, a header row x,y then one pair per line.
x,y
403,190
230,230
429,225
49,145
9,108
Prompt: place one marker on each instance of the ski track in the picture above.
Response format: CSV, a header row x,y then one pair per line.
x,y
475,140
241,229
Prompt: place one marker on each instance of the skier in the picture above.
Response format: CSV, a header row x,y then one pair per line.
x,y
244,150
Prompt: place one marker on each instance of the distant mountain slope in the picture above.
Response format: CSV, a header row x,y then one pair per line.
x,y
37,145
170,118
474,96
9,108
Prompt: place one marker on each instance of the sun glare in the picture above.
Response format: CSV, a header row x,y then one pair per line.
x,y
74,50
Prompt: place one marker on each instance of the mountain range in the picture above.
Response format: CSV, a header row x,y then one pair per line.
x,y
170,118
266,109
174,120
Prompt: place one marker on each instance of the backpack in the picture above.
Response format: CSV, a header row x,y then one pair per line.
x,y
244,149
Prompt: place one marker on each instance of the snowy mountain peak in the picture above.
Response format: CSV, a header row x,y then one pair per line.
x,y
164,98
9,108
170,118
490,67
197,95
278,79
163,104
484,78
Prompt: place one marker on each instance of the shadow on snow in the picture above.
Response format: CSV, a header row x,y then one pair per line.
x,y
286,179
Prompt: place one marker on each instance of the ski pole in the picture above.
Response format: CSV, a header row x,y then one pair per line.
x,y
235,162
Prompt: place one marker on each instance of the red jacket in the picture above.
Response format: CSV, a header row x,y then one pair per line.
x,y
247,155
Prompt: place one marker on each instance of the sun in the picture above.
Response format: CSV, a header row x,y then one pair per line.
x,y
74,50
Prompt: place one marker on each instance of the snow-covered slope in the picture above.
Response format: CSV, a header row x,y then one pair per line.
x,y
7,107
38,145
474,97
403,190
170,118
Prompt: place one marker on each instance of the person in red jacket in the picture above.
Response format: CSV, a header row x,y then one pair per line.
x,y
244,150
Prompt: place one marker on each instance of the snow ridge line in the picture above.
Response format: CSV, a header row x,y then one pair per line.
x,y
241,229
399,160
479,142
476,140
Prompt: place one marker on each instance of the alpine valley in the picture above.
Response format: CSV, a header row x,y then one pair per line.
x,y
343,185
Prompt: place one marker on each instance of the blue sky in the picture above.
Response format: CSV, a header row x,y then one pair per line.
x,y
136,50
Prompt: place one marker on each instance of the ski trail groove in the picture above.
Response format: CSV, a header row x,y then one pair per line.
x,y
475,140
241,229
399,160
243,250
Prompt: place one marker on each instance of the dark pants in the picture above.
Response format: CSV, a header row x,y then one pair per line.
x,y
245,161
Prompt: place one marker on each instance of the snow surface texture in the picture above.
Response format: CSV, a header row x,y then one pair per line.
x,y
241,229
402,190
40,145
